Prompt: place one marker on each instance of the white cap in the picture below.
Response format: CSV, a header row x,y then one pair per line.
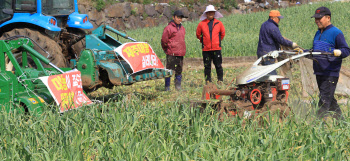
x,y
208,9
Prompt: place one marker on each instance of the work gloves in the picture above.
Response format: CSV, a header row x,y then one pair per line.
x,y
298,50
337,52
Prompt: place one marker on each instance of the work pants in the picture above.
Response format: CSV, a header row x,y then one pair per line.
x,y
175,63
327,102
208,57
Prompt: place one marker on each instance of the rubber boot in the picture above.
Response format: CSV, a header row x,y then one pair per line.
x,y
167,84
178,82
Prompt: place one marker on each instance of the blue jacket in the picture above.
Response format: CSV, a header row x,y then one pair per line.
x,y
270,38
331,38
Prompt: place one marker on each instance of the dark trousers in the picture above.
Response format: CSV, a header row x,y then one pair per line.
x,y
208,57
269,61
327,102
175,63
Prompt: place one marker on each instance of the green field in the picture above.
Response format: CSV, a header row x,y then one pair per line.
x,y
242,31
143,122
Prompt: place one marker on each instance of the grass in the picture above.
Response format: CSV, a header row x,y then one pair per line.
x,y
242,31
146,123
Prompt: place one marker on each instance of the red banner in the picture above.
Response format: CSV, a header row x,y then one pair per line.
x,y
67,90
139,56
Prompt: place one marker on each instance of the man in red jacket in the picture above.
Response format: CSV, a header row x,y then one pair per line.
x,y
210,32
173,44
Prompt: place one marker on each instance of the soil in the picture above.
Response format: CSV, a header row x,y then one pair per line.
x,y
197,63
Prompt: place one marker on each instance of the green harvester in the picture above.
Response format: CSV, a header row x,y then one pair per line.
x,y
20,89
100,66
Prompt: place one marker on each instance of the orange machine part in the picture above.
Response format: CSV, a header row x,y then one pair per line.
x,y
274,93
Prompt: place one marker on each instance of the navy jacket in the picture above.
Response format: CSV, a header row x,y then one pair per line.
x,y
270,38
331,38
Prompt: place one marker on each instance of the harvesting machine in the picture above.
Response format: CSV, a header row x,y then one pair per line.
x,y
61,35
20,89
256,90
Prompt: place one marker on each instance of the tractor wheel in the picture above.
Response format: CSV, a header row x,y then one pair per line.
x,y
56,57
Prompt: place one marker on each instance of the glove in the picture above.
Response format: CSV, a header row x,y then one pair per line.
x,y
337,52
298,50
295,45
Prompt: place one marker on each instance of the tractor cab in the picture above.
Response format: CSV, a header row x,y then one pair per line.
x,y
57,7
52,15
6,11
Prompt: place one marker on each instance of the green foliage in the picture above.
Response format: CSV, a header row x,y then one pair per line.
x,y
242,31
147,1
172,3
145,125
148,124
203,1
145,15
229,3
135,1
134,11
99,4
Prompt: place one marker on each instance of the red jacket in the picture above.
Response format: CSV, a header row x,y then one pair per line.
x,y
173,40
210,42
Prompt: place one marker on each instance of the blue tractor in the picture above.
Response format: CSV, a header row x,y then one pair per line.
x,y
55,25
59,33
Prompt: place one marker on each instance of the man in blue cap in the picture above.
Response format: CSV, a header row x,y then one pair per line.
x,y
330,39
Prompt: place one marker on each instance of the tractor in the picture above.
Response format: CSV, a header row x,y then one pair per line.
x,y
60,34
55,24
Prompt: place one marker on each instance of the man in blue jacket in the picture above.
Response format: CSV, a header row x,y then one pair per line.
x,y
270,38
330,39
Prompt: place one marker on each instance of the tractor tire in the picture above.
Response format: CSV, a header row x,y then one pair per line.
x,y
56,57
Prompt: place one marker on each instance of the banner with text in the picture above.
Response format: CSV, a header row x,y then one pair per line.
x,y
67,90
139,56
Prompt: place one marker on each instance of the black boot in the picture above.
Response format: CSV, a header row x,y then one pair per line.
x,y
167,84
178,82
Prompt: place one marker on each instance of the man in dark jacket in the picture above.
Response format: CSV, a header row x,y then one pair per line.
x,y
270,38
210,32
330,39
173,44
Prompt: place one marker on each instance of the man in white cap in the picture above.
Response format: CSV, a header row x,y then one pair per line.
x,y
210,32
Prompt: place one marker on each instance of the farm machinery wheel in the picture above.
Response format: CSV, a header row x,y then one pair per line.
x,y
56,57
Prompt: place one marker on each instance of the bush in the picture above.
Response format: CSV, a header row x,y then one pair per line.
x,y
134,11
99,4
229,3
147,1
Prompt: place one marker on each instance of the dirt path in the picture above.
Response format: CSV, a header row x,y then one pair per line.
x,y
197,63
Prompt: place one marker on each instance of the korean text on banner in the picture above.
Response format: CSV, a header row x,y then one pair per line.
x,y
67,90
139,56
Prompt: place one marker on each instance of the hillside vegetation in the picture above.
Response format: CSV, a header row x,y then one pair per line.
x,y
242,31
